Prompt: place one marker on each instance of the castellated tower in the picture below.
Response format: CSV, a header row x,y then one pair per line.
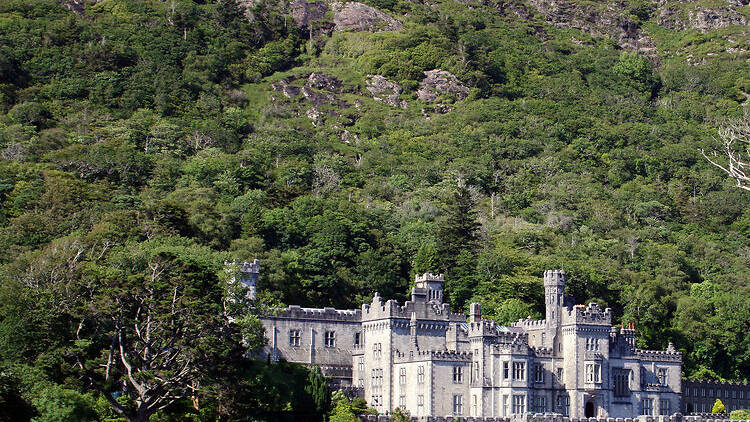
x,y
246,273
554,292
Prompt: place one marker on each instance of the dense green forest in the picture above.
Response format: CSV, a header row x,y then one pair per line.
x,y
143,143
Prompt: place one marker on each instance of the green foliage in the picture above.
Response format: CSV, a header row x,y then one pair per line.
x,y
736,415
318,389
718,407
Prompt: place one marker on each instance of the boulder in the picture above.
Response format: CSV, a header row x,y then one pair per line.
x,y
323,82
437,82
359,17
305,12
384,90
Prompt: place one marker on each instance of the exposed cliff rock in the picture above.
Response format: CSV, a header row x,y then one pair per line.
x,y
700,19
357,17
319,93
77,6
437,82
305,12
384,90
324,82
606,20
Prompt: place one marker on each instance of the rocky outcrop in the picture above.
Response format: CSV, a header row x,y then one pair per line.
x,y
77,6
438,82
384,90
319,93
323,82
700,19
358,17
304,12
606,20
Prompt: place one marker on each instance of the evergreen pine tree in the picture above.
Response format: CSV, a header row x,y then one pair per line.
x,y
317,388
457,234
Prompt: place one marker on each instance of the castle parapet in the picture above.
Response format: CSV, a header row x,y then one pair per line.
x,y
328,314
591,314
530,323
658,355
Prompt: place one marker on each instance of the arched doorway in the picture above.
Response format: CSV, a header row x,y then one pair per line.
x,y
589,410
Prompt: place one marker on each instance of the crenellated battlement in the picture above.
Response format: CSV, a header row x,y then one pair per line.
x,y
658,355
530,323
429,355
591,314
554,277
421,310
421,278
327,314
244,266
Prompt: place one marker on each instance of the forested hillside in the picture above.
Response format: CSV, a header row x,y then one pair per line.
x,y
349,146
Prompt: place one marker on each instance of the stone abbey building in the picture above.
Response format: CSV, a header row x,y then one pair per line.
x,y
421,357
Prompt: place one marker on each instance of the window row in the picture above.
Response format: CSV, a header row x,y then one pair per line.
x,y
647,407
329,338
519,370
736,394
592,344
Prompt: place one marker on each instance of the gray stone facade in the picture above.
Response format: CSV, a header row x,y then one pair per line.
x,y
698,396
421,357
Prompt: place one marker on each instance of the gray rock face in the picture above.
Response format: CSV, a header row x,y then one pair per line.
x,y
324,82
703,20
305,12
384,90
437,82
608,21
358,17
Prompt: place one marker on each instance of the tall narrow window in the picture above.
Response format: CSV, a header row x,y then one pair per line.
x,y
664,407
458,404
402,376
476,371
420,374
506,371
593,372
519,404
661,374
474,405
330,339
647,407
621,378
357,338
294,336
519,371
505,405
538,372
458,374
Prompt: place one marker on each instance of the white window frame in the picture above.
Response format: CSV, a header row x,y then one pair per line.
x,y
647,407
458,404
294,337
458,374
330,339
